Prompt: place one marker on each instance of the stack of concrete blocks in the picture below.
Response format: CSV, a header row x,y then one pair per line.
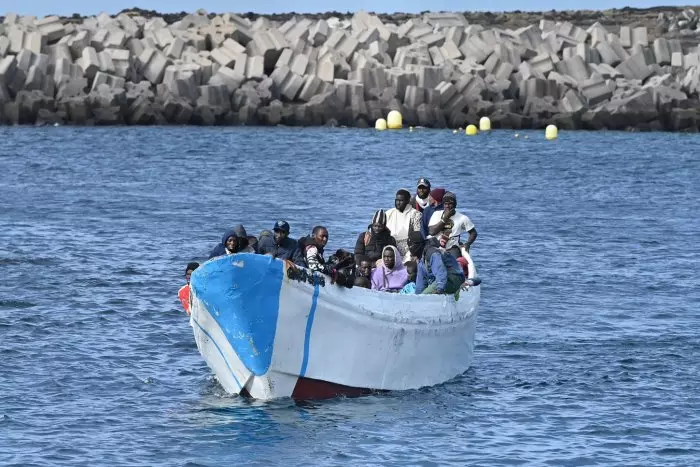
x,y
435,68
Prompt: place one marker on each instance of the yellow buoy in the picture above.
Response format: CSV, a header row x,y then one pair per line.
x,y
551,132
484,124
471,130
394,120
380,124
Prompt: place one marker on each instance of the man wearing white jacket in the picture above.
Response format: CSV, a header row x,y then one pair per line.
x,y
402,220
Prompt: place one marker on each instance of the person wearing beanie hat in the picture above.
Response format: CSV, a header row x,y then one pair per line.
x,y
420,200
435,204
371,243
450,224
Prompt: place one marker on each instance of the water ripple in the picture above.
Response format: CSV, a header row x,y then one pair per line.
x,y
587,340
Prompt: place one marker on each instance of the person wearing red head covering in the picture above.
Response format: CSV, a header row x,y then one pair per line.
x,y
184,293
434,204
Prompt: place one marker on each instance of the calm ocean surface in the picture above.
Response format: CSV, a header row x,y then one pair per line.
x,y
588,341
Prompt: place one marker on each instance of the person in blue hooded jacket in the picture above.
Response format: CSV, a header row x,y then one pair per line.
x,y
234,241
438,271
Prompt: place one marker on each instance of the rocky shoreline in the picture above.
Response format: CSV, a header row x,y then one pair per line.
x,y
622,69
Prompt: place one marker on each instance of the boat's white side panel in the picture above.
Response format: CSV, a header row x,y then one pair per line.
x,y
352,337
369,339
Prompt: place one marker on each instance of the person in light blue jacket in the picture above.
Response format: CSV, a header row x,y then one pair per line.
x,y
438,271
412,269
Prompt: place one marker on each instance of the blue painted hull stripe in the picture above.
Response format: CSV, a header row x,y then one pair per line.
x,y
220,352
309,325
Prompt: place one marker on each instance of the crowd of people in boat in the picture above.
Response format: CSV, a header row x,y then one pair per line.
x,y
412,248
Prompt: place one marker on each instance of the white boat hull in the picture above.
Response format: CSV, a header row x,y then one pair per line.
x,y
269,336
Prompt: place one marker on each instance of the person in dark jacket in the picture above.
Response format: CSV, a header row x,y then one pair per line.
x,y
311,250
277,244
234,241
435,199
371,243
438,271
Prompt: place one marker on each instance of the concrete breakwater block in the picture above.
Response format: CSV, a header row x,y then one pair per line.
x,y
436,68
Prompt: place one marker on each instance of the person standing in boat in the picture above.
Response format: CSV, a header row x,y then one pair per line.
x,y
391,275
438,271
371,243
420,200
278,244
452,223
401,220
434,204
184,293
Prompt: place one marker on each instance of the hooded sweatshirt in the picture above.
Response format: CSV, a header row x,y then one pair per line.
x,y
220,249
384,278
238,232
370,245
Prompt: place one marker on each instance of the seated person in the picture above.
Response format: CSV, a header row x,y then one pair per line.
x,y
365,269
230,244
184,293
252,243
390,275
412,270
234,241
277,243
371,243
363,282
438,271
311,250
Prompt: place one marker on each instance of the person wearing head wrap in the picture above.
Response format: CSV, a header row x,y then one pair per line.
x,y
450,225
371,243
420,201
391,274
401,220
435,200
438,271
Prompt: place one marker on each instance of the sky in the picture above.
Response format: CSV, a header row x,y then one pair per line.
x,y
92,7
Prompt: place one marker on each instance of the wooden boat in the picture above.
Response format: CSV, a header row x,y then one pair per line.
x,y
268,329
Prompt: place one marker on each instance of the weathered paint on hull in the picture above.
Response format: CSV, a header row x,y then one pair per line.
x,y
269,336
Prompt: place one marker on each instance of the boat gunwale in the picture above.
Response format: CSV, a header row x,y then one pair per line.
x,y
435,301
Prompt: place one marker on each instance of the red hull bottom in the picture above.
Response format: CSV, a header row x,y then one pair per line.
x,y
316,389
307,389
